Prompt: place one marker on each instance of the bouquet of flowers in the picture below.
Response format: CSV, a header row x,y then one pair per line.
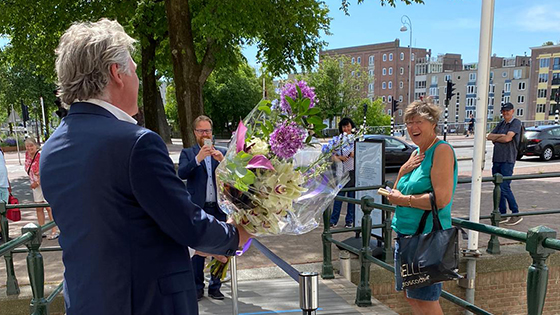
x,y
275,179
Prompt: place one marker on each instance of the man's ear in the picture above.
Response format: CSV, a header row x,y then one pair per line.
x,y
116,75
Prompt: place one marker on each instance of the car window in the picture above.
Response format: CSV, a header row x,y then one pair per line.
x,y
394,144
555,132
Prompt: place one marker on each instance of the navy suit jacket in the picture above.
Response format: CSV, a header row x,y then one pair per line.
x,y
197,175
125,218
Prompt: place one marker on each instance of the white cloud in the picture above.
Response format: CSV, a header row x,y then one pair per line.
x,y
540,18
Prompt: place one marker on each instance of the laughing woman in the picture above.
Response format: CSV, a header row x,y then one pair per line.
x,y
416,179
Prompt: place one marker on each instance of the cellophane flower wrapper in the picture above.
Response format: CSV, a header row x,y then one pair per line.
x,y
273,179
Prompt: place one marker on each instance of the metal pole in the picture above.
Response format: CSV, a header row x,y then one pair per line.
x,y
483,80
471,272
392,125
309,292
405,20
556,118
234,297
15,131
445,120
44,120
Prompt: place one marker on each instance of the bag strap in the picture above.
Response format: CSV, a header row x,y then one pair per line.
x,y
33,160
435,217
422,223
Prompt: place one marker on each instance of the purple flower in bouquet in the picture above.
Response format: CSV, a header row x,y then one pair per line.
x,y
286,139
291,91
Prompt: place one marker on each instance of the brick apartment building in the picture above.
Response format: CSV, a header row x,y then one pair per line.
x,y
545,81
387,66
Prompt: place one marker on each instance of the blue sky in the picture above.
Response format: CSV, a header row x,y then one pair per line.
x,y
445,26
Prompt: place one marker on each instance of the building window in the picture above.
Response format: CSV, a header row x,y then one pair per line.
x,y
391,57
491,101
402,70
353,73
504,74
517,74
391,71
402,56
389,112
353,60
544,63
519,112
491,75
420,84
384,71
447,77
371,60
401,84
521,86
359,74
556,64
433,91
390,98
472,77
471,101
384,85
384,99
400,98
541,93
384,57
341,64
506,99
543,77
507,87
370,72
434,79
471,89
359,60
371,87
492,88
520,99
390,85
412,57
541,108
555,79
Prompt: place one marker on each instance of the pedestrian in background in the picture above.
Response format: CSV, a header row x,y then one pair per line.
x,y
197,165
411,193
345,155
470,130
32,161
505,138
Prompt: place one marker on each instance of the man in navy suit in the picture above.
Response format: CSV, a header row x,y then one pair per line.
x,y
197,165
125,218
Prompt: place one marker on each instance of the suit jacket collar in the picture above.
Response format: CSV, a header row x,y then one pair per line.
x,y
89,108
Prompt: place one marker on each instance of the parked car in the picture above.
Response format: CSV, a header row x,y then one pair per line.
x,y
397,151
543,141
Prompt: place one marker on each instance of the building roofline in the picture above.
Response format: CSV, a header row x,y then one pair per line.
x,y
367,47
544,47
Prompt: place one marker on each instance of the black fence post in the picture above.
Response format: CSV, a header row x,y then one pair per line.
x,y
537,276
363,293
35,268
12,287
496,217
327,268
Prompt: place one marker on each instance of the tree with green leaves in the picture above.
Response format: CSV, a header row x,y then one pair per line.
x,y
338,84
375,115
206,35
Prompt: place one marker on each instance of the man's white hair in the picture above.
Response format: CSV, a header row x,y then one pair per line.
x,y
84,57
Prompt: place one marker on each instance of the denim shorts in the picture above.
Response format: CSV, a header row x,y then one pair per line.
x,y
429,293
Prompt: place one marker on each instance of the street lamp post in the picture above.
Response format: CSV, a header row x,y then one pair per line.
x,y
405,20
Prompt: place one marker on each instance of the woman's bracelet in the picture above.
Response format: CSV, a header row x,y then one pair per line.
x,y
410,201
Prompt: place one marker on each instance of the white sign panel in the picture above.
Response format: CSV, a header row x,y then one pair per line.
x,y
369,166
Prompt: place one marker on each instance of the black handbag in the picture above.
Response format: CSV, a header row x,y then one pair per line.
x,y
425,259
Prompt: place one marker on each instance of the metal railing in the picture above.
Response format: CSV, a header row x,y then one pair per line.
x,y
32,238
540,243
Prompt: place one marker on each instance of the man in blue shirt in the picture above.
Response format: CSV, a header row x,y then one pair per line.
x,y
505,138
197,165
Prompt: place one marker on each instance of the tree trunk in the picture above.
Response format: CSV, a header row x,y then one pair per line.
x,y
154,112
189,74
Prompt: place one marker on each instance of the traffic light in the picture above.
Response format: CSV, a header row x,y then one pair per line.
x,y
24,112
395,106
450,90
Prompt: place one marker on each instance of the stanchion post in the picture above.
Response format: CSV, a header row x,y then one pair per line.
x,y
496,216
327,269
12,287
309,292
234,296
363,294
35,268
537,276
392,125
556,117
387,238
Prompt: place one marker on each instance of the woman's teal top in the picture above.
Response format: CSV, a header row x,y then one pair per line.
x,y
406,220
